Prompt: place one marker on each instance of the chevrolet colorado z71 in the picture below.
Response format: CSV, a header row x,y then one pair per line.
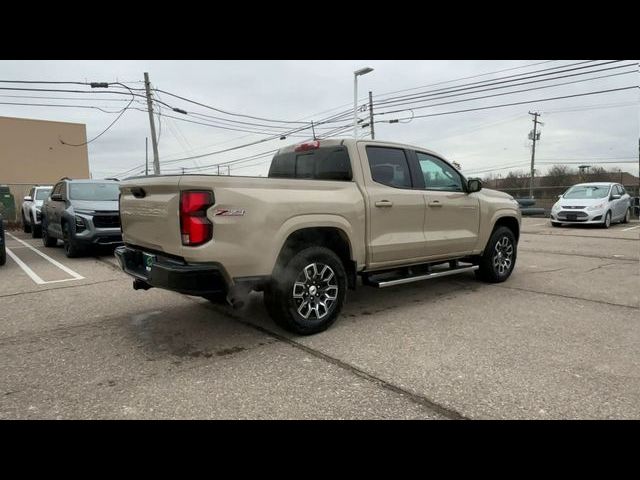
x,y
331,211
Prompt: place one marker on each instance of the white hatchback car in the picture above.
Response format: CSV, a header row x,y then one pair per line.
x,y
592,203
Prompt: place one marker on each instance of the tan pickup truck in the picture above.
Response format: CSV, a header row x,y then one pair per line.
x,y
331,211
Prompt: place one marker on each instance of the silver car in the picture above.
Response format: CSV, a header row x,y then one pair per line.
x,y
592,203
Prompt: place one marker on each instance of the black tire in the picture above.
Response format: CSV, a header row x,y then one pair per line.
x,y
217,298
3,255
26,227
306,273
36,230
606,223
556,224
493,267
627,216
71,248
47,240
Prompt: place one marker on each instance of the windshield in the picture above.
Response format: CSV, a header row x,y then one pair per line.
x,y
94,191
42,194
585,192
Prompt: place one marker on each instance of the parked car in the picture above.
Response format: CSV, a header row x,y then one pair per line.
x,y
83,214
31,209
3,249
331,211
592,203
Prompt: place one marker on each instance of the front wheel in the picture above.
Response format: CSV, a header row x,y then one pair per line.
x,y
47,240
556,224
627,216
71,249
307,295
607,220
499,257
26,227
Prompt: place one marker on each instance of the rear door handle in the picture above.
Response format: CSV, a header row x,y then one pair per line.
x,y
435,203
384,203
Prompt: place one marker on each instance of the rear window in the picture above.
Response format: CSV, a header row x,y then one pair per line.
x,y
330,163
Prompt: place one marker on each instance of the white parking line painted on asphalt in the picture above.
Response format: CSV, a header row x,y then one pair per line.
x,y
32,275
75,275
630,228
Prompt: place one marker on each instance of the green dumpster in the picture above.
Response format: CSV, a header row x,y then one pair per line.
x,y
7,204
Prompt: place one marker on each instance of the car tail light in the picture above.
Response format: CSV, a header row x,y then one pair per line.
x,y
303,147
195,227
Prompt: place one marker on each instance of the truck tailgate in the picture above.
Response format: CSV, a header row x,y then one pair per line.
x,y
149,213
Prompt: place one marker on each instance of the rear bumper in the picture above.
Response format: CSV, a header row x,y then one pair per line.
x,y
172,274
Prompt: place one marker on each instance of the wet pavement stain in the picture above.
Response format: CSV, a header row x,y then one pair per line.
x,y
229,351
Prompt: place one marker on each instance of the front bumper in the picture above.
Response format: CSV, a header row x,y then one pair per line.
x,y
578,216
160,271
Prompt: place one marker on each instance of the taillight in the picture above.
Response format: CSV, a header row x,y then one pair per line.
x,y
195,227
303,147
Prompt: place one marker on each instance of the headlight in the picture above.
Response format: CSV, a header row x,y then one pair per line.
x,y
556,207
80,225
596,207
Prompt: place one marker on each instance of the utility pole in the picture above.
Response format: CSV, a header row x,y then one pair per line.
x,y
146,155
154,142
373,133
534,137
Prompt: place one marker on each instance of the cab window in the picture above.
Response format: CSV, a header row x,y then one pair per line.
x,y
389,166
438,175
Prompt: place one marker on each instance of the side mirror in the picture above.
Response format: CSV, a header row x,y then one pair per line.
x,y
474,185
560,196
28,199
615,196
56,197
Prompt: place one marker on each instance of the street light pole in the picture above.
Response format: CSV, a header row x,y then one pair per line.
x,y
356,74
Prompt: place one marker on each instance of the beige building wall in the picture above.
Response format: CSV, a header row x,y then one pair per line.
x,y
31,153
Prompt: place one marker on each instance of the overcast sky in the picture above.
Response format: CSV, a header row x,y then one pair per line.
x,y
574,129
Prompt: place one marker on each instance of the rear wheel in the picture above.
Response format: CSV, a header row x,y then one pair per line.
x,y
71,248
499,257
307,295
47,240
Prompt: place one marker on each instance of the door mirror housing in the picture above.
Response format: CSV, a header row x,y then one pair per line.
x,y
28,198
560,196
56,197
474,185
615,196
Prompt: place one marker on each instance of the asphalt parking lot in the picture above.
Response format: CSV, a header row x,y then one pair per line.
x,y
559,340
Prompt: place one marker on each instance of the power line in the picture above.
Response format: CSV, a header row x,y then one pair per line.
x,y
495,81
224,111
512,92
105,130
526,102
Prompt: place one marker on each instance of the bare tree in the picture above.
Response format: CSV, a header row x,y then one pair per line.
x,y
515,179
558,175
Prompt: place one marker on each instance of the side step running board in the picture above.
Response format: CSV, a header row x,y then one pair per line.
x,y
417,278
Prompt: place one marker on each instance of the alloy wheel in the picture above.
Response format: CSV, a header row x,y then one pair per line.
x,y
503,256
315,291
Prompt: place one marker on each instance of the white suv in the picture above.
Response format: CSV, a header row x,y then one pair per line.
x,y
31,217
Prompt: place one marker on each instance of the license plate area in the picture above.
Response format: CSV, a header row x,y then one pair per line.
x,y
572,216
148,260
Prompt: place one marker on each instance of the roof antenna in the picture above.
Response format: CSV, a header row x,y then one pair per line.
x,y
313,130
